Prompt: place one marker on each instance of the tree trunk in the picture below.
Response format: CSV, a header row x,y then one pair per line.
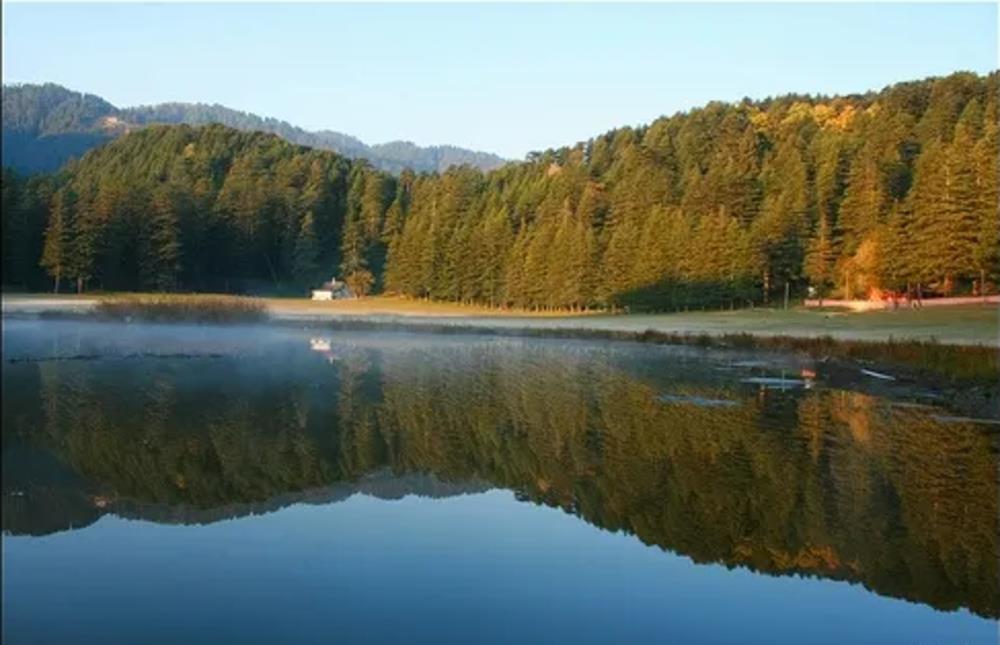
x,y
787,288
79,285
270,269
55,287
982,284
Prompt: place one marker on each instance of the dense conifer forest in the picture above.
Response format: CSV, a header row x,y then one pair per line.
x,y
722,206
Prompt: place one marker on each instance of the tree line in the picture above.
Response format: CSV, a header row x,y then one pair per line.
x,y
725,205
205,209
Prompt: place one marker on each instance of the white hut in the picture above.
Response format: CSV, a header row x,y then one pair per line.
x,y
332,290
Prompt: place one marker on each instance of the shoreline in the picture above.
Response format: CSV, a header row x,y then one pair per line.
x,y
963,377
969,325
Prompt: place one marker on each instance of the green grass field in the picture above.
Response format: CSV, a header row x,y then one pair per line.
x,y
967,324
975,324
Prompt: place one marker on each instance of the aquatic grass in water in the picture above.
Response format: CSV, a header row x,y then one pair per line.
x,y
924,359
165,308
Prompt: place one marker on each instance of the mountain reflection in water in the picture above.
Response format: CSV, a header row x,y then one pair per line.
x,y
667,445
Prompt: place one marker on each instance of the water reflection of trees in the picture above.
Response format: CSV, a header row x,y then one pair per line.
x,y
830,483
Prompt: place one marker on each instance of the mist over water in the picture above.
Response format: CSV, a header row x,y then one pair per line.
x,y
261,483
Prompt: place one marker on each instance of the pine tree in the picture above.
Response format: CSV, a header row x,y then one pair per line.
x,y
498,238
57,251
964,226
426,260
305,267
821,256
662,257
987,171
731,181
86,246
516,278
618,275
457,268
537,288
861,209
783,221
354,240
897,263
163,254
946,226
561,285
582,264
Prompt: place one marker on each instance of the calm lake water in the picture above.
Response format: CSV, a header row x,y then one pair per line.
x,y
169,484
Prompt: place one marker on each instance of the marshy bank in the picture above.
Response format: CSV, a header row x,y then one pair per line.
x,y
966,376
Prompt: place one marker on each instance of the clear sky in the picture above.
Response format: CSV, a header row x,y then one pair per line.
x,y
502,78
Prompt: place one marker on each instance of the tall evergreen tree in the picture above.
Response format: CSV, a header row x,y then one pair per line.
x,y
57,253
162,261
307,253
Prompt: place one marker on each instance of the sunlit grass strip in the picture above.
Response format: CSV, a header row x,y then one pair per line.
x,y
165,308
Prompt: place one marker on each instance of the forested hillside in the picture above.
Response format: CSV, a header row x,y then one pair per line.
x,y
46,125
394,156
720,206
209,208
724,205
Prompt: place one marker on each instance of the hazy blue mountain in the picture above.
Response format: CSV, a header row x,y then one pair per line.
x,y
46,125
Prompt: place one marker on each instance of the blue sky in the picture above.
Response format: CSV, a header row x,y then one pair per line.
x,y
503,78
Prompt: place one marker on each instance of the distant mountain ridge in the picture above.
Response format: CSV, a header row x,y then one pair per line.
x,y
46,125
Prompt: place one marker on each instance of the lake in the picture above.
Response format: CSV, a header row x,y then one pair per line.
x,y
207,484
